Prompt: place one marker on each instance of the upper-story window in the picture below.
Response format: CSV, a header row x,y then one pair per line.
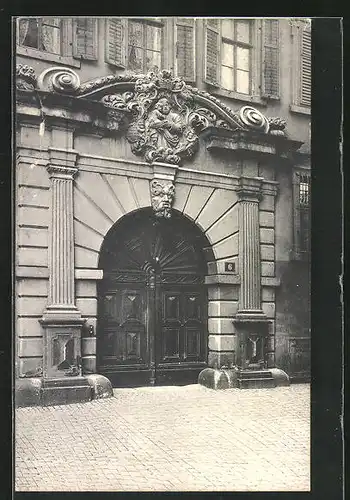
x,y
236,46
242,56
144,45
135,44
44,34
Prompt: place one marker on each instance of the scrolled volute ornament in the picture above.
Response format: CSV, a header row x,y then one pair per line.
x,y
58,79
162,197
253,119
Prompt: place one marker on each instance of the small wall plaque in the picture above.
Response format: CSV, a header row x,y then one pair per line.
x,y
230,267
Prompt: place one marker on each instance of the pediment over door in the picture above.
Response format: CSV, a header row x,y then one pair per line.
x,y
161,116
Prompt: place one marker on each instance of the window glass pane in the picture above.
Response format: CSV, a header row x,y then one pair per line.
x,y
135,34
227,28
243,31
242,58
51,35
135,58
28,32
227,54
154,37
153,61
242,82
227,78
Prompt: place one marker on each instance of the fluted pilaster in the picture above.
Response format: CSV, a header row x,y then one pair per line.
x,y
249,192
250,256
61,290
61,300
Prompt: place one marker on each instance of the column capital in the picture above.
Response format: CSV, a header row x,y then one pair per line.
x,y
249,188
61,172
62,162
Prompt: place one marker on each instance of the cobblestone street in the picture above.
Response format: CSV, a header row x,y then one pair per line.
x,y
168,438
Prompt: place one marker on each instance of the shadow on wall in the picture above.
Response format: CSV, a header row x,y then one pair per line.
x,y
293,325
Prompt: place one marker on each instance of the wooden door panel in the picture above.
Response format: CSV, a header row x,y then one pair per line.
x,y
193,349
192,306
171,306
171,344
124,326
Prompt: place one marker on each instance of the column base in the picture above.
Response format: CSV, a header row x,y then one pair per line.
x,y
64,314
61,391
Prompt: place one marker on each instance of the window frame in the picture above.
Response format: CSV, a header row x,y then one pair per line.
x,y
235,44
146,21
66,56
255,95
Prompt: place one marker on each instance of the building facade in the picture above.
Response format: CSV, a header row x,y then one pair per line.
x,y
162,187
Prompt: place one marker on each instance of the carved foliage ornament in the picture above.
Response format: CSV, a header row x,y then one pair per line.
x,y
25,78
162,197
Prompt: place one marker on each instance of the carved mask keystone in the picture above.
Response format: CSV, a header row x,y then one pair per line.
x,y
162,197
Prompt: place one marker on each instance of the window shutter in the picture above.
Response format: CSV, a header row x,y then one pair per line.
x,y
271,58
115,42
185,49
212,52
305,85
85,38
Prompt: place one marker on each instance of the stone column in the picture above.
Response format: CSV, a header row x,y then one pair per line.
x,y
249,193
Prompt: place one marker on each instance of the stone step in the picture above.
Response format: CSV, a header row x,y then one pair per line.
x,y
247,374
256,383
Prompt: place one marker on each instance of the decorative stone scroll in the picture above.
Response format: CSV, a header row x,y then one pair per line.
x,y
162,197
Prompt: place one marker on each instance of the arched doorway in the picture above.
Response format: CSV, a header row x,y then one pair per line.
x,y
152,317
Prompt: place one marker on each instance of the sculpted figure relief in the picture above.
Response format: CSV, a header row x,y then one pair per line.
x,y
165,126
162,196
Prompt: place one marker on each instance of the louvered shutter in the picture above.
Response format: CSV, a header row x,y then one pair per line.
x,y
115,42
305,84
212,52
271,71
85,38
185,48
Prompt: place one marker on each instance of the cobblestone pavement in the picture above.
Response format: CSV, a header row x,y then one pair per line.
x,y
168,438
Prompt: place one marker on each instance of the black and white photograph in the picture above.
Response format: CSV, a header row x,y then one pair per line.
x,y
162,225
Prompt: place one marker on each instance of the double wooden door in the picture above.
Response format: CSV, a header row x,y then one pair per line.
x,y
152,308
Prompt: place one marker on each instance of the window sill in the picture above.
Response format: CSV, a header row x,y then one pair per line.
x,y
302,110
47,56
230,94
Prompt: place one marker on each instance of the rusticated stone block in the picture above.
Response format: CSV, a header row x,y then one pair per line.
x,y
223,292
88,346
88,364
222,342
220,325
222,308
